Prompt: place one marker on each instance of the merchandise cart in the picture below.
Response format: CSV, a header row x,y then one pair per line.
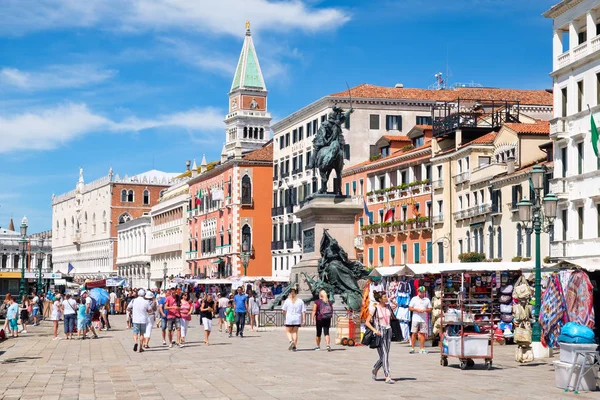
x,y
467,318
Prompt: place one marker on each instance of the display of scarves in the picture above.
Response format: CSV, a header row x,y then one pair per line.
x,y
553,312
579,300
364,311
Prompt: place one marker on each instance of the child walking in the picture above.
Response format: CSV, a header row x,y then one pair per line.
x,y
81,320
12,316
229,317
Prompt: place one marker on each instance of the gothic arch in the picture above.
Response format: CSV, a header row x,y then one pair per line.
x,y
124,218
246,190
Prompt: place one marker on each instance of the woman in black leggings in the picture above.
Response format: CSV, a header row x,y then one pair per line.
x,y
322,313
380,325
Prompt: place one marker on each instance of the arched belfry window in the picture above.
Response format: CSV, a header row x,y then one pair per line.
x,y
130,196
262,133
123,196
245,132
246,190
146,197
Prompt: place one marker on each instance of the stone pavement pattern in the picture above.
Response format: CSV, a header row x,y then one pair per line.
x,y
255,367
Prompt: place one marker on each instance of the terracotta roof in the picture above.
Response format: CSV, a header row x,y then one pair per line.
x,y
538,128
532,97
424,127
488,138
397,153
396,138
265,153
524,169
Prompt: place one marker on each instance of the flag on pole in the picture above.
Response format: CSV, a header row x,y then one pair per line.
x,y
389,214
367,212
71,268
198,197
594,134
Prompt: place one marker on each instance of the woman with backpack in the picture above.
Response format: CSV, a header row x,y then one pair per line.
x,y
322,313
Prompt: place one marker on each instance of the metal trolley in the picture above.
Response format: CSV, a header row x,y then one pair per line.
x,y
474,308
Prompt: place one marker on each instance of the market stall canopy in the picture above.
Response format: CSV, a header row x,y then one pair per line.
x,y
588,264
392,271
212,281
264,278
115,281
96,284
438,268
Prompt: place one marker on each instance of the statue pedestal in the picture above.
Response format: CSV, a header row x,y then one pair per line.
x,y
336,214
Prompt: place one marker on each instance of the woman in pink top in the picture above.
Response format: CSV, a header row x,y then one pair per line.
x,y
186,314
380,325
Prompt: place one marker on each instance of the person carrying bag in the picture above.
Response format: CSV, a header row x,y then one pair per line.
x,y
379,322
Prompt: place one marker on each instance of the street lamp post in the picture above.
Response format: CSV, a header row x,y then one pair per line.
x,y
23,248
245,255
164,276
39,280
148,276
538,216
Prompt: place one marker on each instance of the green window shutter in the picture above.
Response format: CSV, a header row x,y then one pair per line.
x,y
381,254
347,188
416,253
361,221
429,252
393,251
370,255
404,247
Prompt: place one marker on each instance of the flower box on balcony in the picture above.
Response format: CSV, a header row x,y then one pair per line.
x,y
397,225
386,226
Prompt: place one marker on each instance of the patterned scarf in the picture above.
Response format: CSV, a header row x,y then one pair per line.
x,y
552,312
580,303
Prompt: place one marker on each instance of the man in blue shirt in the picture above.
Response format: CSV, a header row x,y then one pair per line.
x,y
163,315
240,301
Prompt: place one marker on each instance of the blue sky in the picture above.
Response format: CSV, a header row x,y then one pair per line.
x,y
140,84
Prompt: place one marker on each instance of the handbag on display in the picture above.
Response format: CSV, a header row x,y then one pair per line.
x,y
507,290
505,299
506,318
506,308
523,333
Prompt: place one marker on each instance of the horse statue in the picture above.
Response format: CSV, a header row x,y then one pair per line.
x,y
328,148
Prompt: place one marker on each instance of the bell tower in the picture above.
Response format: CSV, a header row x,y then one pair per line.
x,y
248,120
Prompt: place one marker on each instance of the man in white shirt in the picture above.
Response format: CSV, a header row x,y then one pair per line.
x,y
420,307
35,309
139,308
112,299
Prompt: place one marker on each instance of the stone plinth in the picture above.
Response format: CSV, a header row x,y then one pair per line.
x,y
337,214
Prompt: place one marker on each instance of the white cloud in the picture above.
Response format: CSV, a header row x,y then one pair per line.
x,y
55,77
50,128
219,17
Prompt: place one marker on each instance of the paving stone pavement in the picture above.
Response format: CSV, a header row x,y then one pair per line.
x,y
255,367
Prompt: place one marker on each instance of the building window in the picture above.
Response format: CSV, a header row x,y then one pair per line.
x,y
519,240
104,222
423,120
347,188
580,158
370,257
429,252
347,152
373,121
123,196
499,234
93,223
294,136
124,218
516,195
416,252
580,222
381,255
481,247
247,238
484,161
563,160
440,246
130,197
460,246
565,224
393,122
491,242
528,244
581,37
579,96
418,141
563,93
392,255
246,190
146,197
468,242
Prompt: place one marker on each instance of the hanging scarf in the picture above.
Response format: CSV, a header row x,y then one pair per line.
x,y
552,312
579,299
364,311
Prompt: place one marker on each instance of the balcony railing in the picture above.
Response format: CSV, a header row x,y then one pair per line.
x,y
289,209
76,238
558,127
277,245
438,219
496,209
559,187
564,59
580,51
480,209
461,214
276,211
296,171
439,184
289,244
460,178
191,255
595,42
285,174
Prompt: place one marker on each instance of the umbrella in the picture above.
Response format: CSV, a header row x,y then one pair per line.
x,y
100,295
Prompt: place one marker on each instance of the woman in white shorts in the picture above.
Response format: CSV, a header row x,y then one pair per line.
x,y
151,317
55,315
207,309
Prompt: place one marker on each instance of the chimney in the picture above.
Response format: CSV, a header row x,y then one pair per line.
x,y
399,85
188,163
510,165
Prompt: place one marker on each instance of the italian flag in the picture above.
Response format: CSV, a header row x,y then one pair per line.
x,y
594,135
388,213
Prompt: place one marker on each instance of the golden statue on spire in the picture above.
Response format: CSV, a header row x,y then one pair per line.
x,y
247,25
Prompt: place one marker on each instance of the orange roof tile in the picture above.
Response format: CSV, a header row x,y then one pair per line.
x,y
424,127
397,153
533,97
541,128
265,153
488,138
396,138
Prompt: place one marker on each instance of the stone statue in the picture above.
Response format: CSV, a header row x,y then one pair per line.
x,y
337,275
328,147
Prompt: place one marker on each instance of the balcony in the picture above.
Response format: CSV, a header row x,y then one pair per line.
x,y
359,242
578,52
462,178
560,188
285,175
481,209
595,42
277,245
76,239
564,59
296,171
496,209
439,184
289,209
276,211
461,214
247,202
574,248
289,244
191,255
438,219
559,128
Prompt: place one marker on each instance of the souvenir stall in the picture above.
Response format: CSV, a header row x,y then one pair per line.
x,y
266,287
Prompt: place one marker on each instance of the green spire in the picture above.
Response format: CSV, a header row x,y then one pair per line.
x,y
248,74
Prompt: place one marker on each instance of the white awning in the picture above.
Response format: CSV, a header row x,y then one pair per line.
x,y
211,281
437,268
588,264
